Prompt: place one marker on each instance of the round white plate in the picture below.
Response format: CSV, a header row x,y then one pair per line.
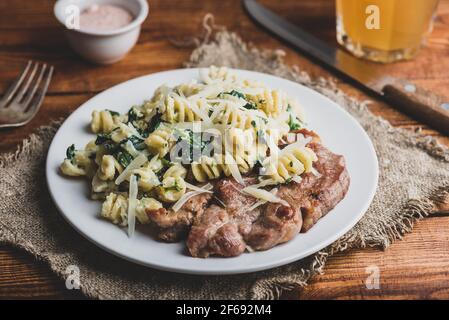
x,y
338,130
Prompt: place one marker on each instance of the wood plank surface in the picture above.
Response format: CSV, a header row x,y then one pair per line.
x,y
416,267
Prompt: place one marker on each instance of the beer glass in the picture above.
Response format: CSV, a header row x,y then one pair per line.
x,y
384,30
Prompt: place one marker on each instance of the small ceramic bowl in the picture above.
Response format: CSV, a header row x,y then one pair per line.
x,y
102,47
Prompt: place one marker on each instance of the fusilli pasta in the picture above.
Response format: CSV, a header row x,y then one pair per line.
x,y
291,162
115,209
221,124
103,121
161,140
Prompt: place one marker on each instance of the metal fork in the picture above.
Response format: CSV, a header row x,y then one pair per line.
x,y
23,99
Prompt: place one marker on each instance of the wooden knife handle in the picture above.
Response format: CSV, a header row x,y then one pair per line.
x,y
423,105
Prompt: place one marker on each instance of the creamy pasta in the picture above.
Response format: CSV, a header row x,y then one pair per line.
x,y
154,156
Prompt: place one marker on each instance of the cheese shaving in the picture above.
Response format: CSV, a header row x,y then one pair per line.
x,y
195,188
297,179
315,172
265,195
129,147
202,114
135,164
132,204
178,205
233,168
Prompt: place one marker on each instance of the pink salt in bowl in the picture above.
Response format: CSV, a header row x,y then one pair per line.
x,y
103,34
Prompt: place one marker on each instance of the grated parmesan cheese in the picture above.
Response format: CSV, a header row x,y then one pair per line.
x,y
191,194
265,195
233,168
195,188
132,204
135,164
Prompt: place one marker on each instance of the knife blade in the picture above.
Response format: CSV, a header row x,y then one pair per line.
x,y
417,102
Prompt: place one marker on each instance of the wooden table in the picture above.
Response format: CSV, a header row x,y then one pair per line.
x,y
416,267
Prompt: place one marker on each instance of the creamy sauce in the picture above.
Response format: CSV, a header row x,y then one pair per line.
x,y
104,18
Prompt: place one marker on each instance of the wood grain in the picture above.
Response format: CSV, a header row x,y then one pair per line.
x,y
421,104
416,267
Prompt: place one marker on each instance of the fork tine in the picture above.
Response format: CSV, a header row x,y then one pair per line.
x,y
25,87
30,95
13,88
40,94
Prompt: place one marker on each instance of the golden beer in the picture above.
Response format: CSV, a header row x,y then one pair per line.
x,y
384,30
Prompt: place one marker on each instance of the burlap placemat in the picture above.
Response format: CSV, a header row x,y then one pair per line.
x,y
414,177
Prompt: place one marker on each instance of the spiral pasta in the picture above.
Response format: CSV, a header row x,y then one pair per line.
x,y
233,125
272,102
160,141
147,179
144,205
187,89
176,170
172,189
103,121
122,132
206,168
179,109
108,168
233,117
244,148
115,209
210,168
80,164
291,162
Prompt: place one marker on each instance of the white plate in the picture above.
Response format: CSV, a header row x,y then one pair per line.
x,y
339,131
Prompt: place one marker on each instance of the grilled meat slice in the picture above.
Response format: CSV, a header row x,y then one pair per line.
x,y
277,224
228,231
173,226
220,231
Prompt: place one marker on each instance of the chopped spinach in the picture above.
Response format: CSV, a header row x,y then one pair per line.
x,y
124,158
175,187
110,146
102,138
154,123
106,141
235,93
113,113
137,142
133,115
165,162
258,164
70,153
294,123
250,106
194,141
289,108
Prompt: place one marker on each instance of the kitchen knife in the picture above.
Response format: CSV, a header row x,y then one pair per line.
x,y
417,102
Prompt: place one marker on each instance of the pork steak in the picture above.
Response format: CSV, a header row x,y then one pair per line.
x,y
230,226
229,231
